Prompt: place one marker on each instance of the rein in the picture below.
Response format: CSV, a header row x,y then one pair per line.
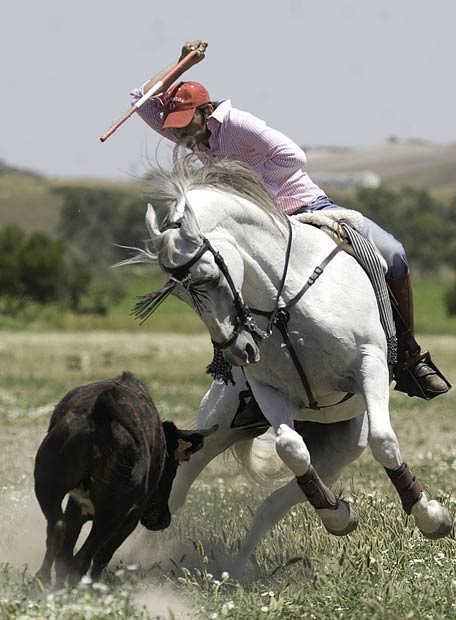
x,y
244,318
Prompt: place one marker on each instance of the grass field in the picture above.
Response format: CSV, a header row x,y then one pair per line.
x,y
384,570
173,316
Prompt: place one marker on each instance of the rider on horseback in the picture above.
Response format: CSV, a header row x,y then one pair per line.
x,y
185,114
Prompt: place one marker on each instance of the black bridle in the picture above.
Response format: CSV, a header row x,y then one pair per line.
x,y
278,317
244,318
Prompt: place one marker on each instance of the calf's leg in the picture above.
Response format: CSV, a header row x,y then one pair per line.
x,y
74,520
104,554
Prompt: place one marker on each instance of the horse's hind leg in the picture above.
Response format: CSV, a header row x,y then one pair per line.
x,y
432,519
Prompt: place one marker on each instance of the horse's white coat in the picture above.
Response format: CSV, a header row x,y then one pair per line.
x,y
335,329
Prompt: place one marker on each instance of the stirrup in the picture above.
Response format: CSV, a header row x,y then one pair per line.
x,y
249,414
407,382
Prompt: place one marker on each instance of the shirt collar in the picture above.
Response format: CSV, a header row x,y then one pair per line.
x,y
220,111
214,122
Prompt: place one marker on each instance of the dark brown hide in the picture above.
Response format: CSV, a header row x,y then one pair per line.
x,y
107,448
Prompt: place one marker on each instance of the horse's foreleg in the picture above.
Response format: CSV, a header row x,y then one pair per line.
x,y
189,471
374,383
432,519
337,515
218,407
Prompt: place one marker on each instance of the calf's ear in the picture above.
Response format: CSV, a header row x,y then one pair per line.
x,y
189,442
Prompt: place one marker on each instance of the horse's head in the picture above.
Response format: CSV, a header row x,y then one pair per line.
x,y
209,281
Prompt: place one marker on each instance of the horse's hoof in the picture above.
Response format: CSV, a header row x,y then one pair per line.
x,y
443,530
431,518
344,511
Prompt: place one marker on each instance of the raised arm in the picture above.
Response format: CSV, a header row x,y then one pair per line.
x,y
189,46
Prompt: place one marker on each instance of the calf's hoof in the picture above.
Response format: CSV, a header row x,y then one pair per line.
x,y
339,521
156,520
43,576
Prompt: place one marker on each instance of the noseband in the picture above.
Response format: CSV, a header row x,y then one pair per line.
x,y
244,318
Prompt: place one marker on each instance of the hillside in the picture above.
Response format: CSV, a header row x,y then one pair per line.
x,y
28,199
422,165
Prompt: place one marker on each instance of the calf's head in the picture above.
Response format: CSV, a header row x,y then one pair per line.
x,y
180,445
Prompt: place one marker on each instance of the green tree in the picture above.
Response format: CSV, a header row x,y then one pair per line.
x,y
42,266
95,220
12,241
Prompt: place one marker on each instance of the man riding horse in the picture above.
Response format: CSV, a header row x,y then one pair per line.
x,y
185,114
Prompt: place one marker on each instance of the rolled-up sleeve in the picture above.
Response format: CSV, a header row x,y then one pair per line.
x,y
151,112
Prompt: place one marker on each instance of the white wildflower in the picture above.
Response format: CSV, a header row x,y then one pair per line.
x,y
101,587
226,608
132,567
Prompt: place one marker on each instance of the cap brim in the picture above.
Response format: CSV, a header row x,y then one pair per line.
x,y
180,118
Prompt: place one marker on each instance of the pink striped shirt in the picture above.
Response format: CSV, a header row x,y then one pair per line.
x,y
241,136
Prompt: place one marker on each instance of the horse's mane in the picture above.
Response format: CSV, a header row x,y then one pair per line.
x,y
168,187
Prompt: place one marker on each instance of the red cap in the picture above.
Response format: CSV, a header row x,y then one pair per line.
x,y
181,100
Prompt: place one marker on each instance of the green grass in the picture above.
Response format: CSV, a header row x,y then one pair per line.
x,y
430,313
385,570
173,316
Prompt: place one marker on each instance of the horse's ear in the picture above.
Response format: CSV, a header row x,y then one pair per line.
x,y
152,224
189,224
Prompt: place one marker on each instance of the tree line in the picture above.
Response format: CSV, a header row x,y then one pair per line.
x,y
72,269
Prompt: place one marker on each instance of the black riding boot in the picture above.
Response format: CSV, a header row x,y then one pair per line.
x,y
410,358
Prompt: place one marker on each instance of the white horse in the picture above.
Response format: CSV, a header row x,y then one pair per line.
x,y
217,234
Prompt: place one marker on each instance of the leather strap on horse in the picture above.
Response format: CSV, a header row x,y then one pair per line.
x,y
317,493
408,487
284,277
281,322
280,317
317,273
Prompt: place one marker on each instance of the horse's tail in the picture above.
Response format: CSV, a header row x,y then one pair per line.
x,y
257,459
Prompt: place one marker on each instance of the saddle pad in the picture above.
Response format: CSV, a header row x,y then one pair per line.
x,y
331,220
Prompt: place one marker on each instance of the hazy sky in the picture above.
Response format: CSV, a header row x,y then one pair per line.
x,y
325,72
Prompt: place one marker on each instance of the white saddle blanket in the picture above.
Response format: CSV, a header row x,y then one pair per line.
x,y
329,220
